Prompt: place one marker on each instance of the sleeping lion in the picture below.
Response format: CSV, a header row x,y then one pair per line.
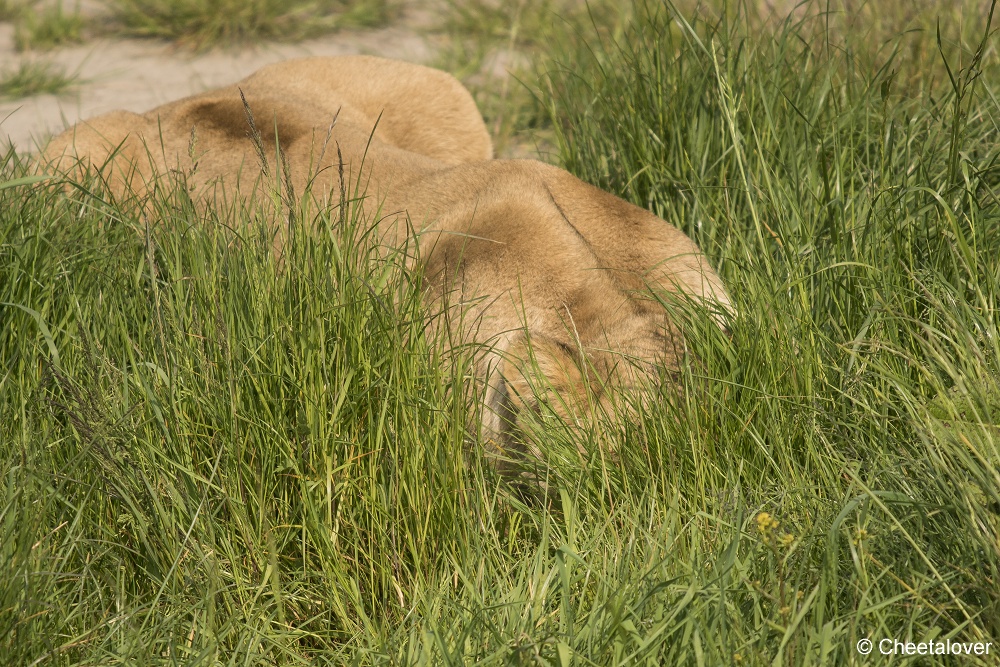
x,y
561,282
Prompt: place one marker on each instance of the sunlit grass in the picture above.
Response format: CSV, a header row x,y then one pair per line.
x,y
493,47
211,454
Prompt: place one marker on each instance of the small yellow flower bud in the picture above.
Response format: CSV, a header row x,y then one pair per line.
x,y
766,523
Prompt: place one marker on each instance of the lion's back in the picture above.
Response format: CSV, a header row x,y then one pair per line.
x,y
417,108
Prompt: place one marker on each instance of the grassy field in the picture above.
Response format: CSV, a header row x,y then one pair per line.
x,y
211,458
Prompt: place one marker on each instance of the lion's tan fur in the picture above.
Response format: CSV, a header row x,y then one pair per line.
x,y
554,273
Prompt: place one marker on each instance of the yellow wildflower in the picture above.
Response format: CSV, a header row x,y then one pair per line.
x,y
766,523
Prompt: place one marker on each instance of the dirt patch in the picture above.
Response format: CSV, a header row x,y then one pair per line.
x,y
137,75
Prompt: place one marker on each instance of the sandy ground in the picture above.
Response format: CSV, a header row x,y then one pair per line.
x,y
137,75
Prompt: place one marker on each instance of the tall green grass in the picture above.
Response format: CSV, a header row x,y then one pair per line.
x,y
857,227
213,455
492,49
